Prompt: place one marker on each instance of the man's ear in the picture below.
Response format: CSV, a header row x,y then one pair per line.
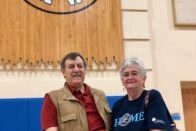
x,y
62,71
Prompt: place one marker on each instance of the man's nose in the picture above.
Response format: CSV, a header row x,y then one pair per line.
x,y
76,68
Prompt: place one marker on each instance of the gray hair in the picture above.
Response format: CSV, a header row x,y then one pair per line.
x,y
133,61
72,56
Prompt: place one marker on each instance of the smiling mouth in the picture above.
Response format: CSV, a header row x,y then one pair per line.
x,y
76,75
131,82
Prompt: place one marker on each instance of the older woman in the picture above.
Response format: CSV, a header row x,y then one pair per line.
x,y
130,113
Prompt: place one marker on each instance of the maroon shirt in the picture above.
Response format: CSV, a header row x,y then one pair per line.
x,y
49,112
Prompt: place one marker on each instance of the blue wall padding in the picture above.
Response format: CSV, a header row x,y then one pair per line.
x,y
14,115
112,100
34,109
23,114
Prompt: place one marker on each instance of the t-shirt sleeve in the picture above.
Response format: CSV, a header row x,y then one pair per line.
x,y
156,113
48,114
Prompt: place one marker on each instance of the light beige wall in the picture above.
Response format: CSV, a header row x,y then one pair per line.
x,y
31,84
22,84
173,51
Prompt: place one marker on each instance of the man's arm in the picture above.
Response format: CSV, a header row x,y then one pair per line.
x,y
49,115
52,129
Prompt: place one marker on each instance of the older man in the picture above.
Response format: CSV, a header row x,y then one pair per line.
x,y
76,106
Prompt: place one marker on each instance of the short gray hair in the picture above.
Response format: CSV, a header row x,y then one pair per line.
x,y
133,61
72,56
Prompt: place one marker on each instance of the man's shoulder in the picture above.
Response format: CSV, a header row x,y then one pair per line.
x,y
58,93
56,90
55,95
95,90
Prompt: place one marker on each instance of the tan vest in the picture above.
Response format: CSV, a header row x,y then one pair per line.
x,y
71,115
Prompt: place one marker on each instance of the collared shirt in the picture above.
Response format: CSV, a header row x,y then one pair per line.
x,y
95,122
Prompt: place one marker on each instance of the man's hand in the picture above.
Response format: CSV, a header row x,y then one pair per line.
x,y
52,129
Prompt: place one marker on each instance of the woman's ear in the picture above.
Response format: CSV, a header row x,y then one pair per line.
x,y
144,79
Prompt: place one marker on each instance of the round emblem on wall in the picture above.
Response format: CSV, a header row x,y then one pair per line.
x,y
60,6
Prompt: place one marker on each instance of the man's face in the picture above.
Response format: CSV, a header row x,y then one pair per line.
x,y
74,72
131,77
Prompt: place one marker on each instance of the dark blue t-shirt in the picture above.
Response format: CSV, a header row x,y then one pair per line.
x,y
129,115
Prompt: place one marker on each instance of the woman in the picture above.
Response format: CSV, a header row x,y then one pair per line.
x,y
130,113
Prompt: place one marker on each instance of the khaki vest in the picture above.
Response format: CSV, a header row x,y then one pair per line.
x,y
71,114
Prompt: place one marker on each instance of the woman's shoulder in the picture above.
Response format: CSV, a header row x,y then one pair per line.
x,y
120,101
155,96
154,92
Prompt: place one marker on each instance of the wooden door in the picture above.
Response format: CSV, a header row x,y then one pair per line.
x,y
189,105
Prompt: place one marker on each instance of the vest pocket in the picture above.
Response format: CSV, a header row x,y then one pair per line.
x,y
68,117
68,122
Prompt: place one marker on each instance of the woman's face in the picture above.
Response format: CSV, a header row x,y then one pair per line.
x,y
131,77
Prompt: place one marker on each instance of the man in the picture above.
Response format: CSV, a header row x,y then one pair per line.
x,y
76,106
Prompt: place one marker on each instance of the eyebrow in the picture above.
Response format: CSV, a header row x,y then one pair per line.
x,y
76,64
135,71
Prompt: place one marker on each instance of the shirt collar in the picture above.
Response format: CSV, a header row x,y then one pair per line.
x,y
74,90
